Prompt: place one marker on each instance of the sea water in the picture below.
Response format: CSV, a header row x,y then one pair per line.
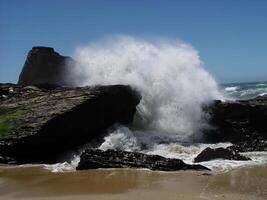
x,y
242,91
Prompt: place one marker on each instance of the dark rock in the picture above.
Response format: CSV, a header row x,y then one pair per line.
x,y
237,121
7,160
38,124
218,153
95,158
257,144
45,66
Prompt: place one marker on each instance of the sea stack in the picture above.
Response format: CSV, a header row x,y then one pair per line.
x,y
45,66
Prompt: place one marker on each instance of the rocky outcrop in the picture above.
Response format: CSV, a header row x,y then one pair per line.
x,y
252,144
219,153
39,124
40,119
45,66
237,122
95,158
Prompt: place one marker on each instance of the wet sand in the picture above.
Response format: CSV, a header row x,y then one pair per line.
x,y
34,183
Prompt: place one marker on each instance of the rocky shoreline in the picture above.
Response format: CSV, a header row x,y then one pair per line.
x,y
95,158
41,118
37,124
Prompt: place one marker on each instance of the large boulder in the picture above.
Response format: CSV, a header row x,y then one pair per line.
x,y
253,144
95,158
45,66
218,153
39,124
237,121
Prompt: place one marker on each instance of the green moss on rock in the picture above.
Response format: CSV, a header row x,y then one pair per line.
x,y
8,121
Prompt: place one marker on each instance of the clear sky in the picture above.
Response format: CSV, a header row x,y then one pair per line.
x,y
230,35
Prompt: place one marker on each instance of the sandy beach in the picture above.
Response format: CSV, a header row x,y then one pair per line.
x,y
38,183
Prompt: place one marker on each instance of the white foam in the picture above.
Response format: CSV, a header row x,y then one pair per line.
x,y
155,143
64,166
186,152
245,94
262,94
121,139
231,89
252,93
221,165
135,140
261,85
127,140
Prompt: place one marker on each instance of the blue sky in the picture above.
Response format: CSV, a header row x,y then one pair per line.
x,y
230,35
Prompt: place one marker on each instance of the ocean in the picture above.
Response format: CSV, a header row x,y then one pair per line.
x,y
242,91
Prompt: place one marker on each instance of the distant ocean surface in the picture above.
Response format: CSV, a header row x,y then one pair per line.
x,y
242,91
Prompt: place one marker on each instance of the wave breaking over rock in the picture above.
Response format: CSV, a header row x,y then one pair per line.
x,y
168,73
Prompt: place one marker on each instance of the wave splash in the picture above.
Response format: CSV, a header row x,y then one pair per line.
x,y
173,84
168,73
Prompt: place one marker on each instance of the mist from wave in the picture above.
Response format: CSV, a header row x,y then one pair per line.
x,y
168,73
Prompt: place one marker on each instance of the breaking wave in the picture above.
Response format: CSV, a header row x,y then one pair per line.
x,y
173,84
168,73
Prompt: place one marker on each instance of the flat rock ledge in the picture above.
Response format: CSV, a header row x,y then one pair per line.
x,y
95,158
